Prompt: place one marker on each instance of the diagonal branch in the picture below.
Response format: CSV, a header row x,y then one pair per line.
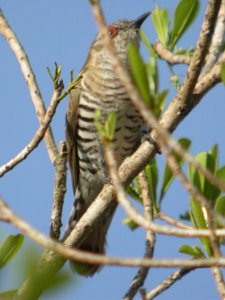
x,y
167,283
15,45
39,135
171,221
217,40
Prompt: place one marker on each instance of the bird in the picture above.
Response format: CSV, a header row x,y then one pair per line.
x,y
99,88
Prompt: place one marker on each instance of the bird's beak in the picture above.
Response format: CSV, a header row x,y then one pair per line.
x,y
138,22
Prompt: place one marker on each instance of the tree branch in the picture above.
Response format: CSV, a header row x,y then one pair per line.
x,y
219,281
172,222
217,40
168,56
39,135
59,191
167,283
12,40
51,262
62,252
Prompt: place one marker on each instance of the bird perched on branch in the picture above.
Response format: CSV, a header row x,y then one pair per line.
x,y
99,88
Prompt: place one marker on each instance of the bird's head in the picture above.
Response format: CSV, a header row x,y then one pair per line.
x,y
122,34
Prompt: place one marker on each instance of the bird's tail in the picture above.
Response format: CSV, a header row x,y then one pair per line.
x,y
94,242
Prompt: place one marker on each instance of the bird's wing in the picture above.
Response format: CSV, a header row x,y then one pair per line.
x,y
71,131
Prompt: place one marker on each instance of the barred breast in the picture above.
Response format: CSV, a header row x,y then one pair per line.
x,y
101,90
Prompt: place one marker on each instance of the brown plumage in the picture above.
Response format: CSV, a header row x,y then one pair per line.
x,y
98,87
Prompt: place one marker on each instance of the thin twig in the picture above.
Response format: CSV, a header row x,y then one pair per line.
x,y
142,273
39,135
172,222
59,191
15,45
168,56
168,282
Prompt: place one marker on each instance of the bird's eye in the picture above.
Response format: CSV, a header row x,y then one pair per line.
x,y
112,31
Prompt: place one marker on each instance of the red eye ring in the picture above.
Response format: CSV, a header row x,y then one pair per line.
x,y
112,31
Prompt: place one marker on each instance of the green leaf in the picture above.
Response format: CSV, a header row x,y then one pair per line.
x,y
59,281
108,130
98,124
199,221
168,176
130,223
160,21
185,216
152,73
220,210
186,13
9,295
195,251
194,177
152,177
214,152
223,73
208,161
9,248
147,44
97,115
220,174
134,190
220,206
160,102
50,281
134,193
198,216
110,126
139,73
57,74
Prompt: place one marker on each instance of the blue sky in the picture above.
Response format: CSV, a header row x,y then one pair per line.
x,y
62,31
